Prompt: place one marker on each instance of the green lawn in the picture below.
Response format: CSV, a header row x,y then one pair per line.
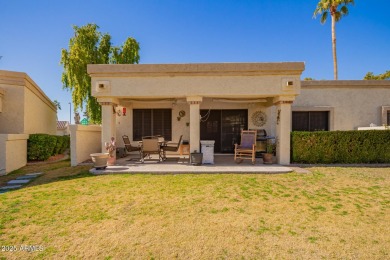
x,y
341,213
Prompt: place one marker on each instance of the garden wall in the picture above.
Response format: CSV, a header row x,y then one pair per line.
x,y
13,152
84,140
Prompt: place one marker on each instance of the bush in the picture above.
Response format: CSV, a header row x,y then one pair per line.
x,y
41,146
341,147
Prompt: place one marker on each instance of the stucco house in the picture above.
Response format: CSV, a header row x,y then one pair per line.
x,y
216,101
24,110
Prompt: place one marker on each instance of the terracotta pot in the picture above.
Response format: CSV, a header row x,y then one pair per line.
x,y
111,161
267,158
99,160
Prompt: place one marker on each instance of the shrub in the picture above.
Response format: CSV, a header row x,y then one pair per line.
x,y
341,147
41,146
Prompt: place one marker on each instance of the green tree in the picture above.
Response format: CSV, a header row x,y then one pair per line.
x,y
383,76
89,46
337,9
57,104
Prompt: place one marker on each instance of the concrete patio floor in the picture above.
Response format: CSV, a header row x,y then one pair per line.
x,y
176,164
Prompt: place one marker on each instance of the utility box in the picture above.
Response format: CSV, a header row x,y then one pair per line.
x,y
207,148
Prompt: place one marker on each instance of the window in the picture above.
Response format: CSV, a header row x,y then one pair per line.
x,y
388,117
310,121
147,122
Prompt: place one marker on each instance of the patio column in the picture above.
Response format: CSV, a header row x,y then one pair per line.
x,y
283,129
108,120
194,103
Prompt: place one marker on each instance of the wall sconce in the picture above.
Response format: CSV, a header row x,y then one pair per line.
x,y
182,113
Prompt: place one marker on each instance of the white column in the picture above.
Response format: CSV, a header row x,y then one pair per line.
x,y
283,130
194,103
108,122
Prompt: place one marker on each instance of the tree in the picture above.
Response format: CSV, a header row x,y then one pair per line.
x,y
57,104
383,76
89,46
337,9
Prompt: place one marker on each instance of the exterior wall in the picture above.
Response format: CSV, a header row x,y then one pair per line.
x,y
13,152
84,140
1,99
62,132
25,109
39,116
352,104
12,115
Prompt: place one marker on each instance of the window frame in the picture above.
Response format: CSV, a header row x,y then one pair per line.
x,y
385,115
328,109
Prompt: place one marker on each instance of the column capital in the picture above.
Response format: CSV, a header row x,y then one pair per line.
x,y
108,101
193,100
283,100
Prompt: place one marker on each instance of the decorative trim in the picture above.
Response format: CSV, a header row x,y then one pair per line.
x,y
194,102
106,103
283,102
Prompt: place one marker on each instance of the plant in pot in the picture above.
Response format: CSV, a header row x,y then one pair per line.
x,y
268,155
111,149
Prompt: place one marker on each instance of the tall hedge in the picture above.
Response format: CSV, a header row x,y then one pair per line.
x,y
41,146
371,146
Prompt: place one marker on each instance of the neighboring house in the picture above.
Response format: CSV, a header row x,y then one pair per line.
x,y
63,128
24,110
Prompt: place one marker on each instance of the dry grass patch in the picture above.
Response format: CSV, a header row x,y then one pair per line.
x,y
330,213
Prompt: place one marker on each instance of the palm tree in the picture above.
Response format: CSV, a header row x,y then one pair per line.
x,y
337,9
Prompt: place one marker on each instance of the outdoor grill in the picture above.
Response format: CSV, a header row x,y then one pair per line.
x,y
261,141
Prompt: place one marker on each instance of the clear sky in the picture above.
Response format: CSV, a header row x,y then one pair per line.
x,y
32,34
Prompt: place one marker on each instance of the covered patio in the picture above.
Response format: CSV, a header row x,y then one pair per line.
x,y
197,101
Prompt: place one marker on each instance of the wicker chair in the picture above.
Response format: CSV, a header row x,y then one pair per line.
x,y
247,148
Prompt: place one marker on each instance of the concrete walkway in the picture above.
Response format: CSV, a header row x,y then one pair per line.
x,y
19,182
222,164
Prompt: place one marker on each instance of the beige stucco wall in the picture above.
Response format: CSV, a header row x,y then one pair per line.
x,y
353,103
39,116
25,108
84,140
12,115
13,152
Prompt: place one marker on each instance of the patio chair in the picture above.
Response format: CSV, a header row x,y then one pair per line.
x,y
171,147
130,148
247,148
151,145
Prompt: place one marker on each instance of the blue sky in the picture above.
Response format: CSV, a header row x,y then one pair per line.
x,y
191,31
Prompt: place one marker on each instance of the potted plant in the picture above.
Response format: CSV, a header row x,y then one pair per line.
x,y
268,155
111,149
